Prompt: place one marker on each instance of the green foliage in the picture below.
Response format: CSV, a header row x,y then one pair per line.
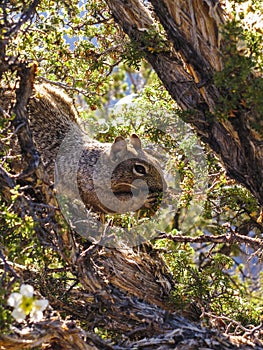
x,y
240,81
17,233
27,258
74,42
78,45
14,241
209,288
152,39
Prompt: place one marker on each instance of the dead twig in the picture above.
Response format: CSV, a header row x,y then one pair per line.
x,y
229,237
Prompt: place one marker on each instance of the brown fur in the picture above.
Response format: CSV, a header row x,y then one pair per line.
x,y
109,177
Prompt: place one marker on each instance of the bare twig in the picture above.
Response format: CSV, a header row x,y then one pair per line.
x,y
230,238
65,86
5,114
23,18
249,331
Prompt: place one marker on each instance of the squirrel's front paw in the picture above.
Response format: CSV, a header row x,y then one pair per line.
x,y
152,200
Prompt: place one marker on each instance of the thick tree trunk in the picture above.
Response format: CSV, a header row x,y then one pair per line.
x,y
181,335
186,69
126,291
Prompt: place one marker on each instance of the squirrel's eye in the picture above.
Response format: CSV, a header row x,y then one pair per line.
x,y
139,169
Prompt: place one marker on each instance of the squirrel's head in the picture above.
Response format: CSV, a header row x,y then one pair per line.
x,y
120,177
136,176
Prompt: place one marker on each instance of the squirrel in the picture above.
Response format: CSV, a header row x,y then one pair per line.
x,y
110,177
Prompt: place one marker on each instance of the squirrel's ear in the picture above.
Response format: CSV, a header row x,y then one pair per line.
x,y
118,147
135,141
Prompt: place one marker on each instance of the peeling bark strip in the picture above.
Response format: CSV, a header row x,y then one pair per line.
x,y
193,26
186,69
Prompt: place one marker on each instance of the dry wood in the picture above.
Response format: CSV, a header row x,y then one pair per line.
x,y
126,290
56,334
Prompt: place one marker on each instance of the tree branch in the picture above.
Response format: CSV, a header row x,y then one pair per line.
x,y
182,335
230,238
25,16
20,122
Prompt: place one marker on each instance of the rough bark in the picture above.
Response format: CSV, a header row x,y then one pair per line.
x,y
126,290
186,68
56,334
